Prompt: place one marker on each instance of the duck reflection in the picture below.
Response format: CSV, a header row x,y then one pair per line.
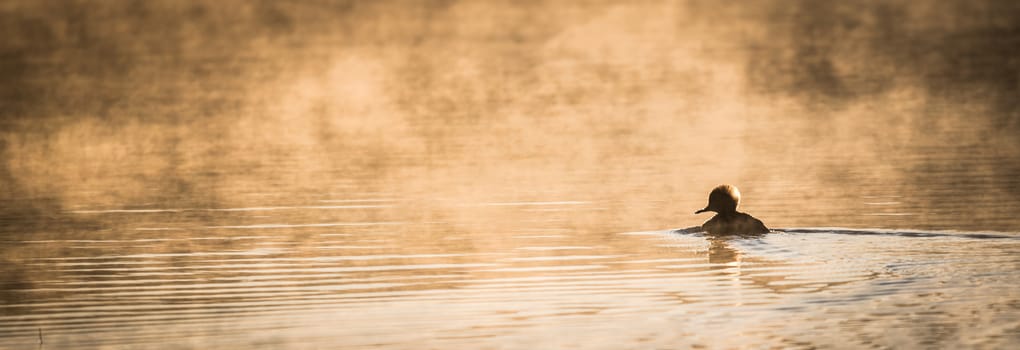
x,y
719,251
731,261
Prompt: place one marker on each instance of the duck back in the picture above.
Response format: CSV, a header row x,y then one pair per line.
x,y
734,224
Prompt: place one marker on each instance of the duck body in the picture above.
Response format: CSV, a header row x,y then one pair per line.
x,y
728,221
735,223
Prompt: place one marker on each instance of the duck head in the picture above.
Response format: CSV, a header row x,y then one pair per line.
x,y
723,199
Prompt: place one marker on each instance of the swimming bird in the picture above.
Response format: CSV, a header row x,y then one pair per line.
x,y
728,221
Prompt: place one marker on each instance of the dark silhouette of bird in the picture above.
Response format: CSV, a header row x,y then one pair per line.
x,y
728,221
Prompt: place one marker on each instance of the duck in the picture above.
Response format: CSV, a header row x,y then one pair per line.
x,y
728,221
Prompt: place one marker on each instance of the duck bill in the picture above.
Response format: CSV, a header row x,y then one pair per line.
x,y
701,211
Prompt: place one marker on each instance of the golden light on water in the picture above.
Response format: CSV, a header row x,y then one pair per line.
x,y
513,164
499,93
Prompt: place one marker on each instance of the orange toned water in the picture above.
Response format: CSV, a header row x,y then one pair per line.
x,y
400,175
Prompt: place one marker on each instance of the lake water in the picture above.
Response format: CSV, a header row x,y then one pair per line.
x,y
398,270
406,175
277,277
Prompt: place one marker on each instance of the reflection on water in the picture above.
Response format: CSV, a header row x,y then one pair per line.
x,y
461,174
396,282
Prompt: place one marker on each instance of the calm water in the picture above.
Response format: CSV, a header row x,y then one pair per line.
x,y
394,270
474,175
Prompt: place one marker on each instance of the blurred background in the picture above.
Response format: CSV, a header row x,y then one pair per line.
x,y
889,114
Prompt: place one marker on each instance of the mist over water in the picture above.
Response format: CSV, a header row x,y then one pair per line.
x,y
495,142
803,99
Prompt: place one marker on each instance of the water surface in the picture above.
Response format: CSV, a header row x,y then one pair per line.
x,y
313,275
486,174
